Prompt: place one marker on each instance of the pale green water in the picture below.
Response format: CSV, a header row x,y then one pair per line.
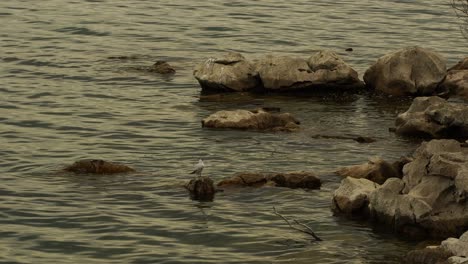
x,y
62,99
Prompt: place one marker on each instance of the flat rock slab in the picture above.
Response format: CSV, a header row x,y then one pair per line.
x,y
257,120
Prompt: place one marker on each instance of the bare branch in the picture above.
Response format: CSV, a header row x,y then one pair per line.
x,y
308,230
461,10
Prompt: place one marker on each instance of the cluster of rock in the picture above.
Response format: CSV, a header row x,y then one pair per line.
x,y
257,120
434,117
429,199
450,251
410,71
233,72
305,180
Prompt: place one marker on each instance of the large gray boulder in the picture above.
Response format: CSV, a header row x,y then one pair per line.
x,y
409,71
258,120
229,72
322,69
434,117
281,73
330,70
456,80
352,197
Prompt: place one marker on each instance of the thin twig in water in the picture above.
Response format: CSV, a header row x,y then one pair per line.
x,y
309,230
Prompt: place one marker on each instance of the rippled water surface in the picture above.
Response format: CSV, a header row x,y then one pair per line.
x,y
62,98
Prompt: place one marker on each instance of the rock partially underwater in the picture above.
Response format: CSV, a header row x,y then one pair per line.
x,y
434,117
305,180
409,71
274,73
257,120
97,166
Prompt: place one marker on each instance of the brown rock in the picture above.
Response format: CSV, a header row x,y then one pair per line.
x,y
162,67
201,189
306,180
376,170
97,167
245,179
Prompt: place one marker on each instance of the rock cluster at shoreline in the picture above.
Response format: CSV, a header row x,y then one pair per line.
x,y
233,73
414,71
430,199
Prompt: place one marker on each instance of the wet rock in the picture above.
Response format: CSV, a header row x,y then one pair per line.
x,y
201,189
97,166
329,69
245,180
230,72
456,80
258,120
305,180
376,170
434,117
359,139
352,197
409,71
450,251
162,67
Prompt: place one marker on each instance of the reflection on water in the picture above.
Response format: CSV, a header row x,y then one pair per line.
x,y
64,98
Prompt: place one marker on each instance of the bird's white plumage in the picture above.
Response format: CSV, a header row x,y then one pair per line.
x,y
198,168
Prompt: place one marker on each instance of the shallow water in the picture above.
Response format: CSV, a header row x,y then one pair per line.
x,y
63,99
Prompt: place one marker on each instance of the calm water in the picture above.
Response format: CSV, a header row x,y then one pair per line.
x,y
63,99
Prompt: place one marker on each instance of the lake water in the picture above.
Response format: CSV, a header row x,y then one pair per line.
x,y
63,99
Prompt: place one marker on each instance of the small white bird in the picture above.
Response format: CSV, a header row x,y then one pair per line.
x,y
198,168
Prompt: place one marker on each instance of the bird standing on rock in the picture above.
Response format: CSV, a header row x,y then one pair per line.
x,y
198,168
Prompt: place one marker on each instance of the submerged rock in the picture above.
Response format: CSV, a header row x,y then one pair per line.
x,y
258,120
434,117
305,180
376,170
409,71
450,251
201,189
230,72
97,166
162,67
